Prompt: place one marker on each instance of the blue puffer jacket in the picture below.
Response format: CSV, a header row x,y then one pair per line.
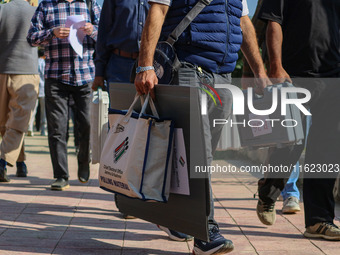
x,y
213,38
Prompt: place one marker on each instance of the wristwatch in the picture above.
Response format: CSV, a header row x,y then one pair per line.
x,y
141,69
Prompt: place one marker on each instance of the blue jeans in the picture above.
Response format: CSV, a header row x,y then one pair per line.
x,y
291,190
119,69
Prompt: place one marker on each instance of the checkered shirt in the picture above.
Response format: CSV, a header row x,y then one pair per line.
x,y
62,62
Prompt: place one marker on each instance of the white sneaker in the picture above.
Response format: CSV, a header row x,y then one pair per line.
x,y
291,205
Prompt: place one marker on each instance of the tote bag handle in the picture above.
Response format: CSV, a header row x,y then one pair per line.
x,y
148,100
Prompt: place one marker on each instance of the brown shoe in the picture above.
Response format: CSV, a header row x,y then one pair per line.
x,y
325,230
266,212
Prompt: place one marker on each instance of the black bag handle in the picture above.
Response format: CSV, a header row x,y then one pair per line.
x,y
185,22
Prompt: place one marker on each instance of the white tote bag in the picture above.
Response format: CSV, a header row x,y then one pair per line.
x,y
99,123
136,160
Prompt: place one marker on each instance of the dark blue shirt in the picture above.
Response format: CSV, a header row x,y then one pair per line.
x,y
120,27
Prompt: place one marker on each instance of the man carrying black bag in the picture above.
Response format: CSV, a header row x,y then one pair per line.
x,y
205,59
303,39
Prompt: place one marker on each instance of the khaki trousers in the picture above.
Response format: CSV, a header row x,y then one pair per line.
x,y
18,95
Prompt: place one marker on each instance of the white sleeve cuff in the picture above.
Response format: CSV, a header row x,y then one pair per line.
x,y
165,2
245,10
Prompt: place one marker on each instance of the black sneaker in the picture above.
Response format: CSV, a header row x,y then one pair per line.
x,y
217,245
60,184
21,169
83,172
3,174
174,235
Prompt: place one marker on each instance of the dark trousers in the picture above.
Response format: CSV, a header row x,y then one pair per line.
x,y
323,147
189,75
57,97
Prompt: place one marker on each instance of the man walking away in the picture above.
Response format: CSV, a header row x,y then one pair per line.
x,y
19,82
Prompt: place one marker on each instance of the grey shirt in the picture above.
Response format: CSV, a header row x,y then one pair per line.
x,y
16,55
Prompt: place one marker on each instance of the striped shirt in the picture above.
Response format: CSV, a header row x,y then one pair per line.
x,y
62,62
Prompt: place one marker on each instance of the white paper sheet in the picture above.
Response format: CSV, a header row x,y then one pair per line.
x,y
179,173
76,36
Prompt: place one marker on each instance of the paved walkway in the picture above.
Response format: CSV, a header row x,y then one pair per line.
x,y
84,220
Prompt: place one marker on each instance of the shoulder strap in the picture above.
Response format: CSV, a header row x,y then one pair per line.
x,y
185,22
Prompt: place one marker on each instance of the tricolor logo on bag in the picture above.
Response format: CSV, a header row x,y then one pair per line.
x,y
120,150
119,128
181,161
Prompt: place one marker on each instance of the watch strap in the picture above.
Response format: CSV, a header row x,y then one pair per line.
x,y
144,68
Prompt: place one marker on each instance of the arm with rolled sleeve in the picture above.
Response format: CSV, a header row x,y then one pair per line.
x,y
251,52
145,81
38,34
272,11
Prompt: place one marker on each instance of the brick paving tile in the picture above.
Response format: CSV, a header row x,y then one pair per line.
x,y
331,251
95,234
2,230
292,252
84,219
37,226
153,252
27,242
36,234
140,234
11,209
327,245
21,250
98,227
87,251
93,243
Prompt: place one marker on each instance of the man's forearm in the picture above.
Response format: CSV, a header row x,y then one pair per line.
x,y
250,47
145,81
274,44
151,33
